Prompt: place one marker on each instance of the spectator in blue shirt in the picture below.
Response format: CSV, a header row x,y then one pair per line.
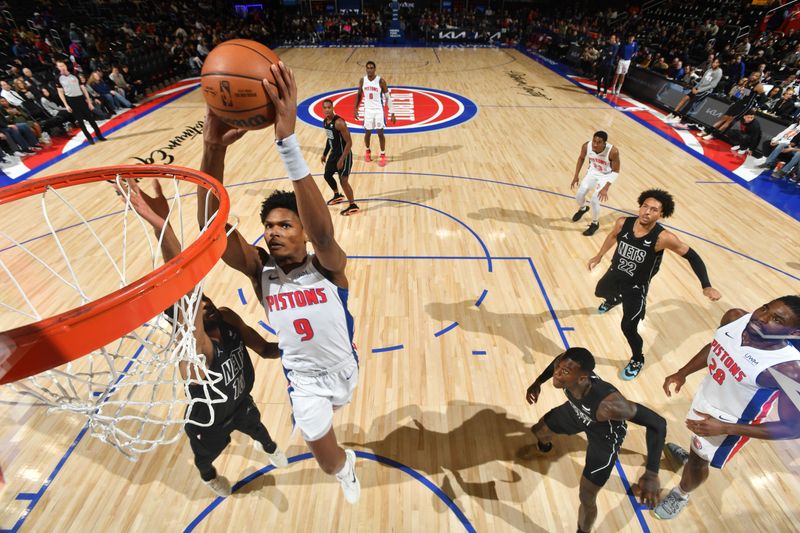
x,y
626,53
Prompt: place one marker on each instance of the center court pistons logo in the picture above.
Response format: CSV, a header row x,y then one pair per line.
x,y
416,109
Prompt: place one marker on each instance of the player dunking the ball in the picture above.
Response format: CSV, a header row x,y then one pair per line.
x,y
641,242
223,338
304,294
339,155
603,171
373,90
738,391
596,408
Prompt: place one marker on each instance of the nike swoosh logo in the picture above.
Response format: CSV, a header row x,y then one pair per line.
x,y
351,375
728,335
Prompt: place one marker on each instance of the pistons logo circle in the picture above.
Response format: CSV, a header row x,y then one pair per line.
x,y
416,109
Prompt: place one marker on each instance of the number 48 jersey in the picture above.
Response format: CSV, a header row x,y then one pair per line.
x,y
309,314
636,258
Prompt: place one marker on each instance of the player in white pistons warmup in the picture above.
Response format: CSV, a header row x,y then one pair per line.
x,y
304,294
738,392
603,171
373,90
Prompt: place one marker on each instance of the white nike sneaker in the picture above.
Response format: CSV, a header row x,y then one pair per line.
x,y
220,485
347,478
277,458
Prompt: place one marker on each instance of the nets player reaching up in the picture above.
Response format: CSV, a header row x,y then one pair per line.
x,y
304,294
603,171
641,242
339,145
750,365
223,337
596,408
373,89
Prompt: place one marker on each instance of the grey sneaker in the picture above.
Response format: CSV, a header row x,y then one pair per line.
x,y
671,506
220,485
277,458
347,478
677,454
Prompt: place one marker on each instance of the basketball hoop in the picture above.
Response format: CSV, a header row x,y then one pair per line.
x,y
114,359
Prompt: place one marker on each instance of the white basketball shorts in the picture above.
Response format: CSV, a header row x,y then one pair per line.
x,y
373,119
718,449
623,66
316,396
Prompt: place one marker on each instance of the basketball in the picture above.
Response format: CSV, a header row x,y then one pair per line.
x,y
231,83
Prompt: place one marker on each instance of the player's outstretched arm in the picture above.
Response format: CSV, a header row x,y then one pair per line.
x,y
217,136
700,359
532,394
608,243
313,211
254,341
788,425
155,210
671,242
616,407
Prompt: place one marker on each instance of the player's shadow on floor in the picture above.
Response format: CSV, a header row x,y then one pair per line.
x,y
424,152
489,439
148,132
793,264
534,221
532,334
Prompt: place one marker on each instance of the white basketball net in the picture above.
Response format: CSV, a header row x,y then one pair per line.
x,y
131,392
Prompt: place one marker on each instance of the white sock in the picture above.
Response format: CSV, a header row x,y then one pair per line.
x,y
684,495
344,473
383,153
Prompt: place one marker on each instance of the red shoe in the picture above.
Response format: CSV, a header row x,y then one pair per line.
x,y
367,157
382,160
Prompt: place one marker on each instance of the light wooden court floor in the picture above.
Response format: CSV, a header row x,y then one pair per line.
x,y
476,214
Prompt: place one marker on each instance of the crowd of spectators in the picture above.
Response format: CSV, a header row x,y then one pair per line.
x,y
680,42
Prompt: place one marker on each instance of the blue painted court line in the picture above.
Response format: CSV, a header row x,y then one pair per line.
x,y
241,296
363,455
567,329
388,348
481,297
478,352
445,330
27,495
266,327
716,182
488,256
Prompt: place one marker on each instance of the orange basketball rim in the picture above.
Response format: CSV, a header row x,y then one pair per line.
x,y
62,338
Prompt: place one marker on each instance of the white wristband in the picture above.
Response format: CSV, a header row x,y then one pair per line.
x,y
292,157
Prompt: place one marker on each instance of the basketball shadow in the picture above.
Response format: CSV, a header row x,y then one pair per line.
x,y
793,264
486,438
534,221
425,152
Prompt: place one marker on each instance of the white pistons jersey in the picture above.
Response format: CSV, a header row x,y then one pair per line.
x,y
309,314
599,164
730,392
373,99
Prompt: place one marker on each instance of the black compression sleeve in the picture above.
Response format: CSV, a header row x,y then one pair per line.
x,y
698,266
656,433
327,149
548,372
